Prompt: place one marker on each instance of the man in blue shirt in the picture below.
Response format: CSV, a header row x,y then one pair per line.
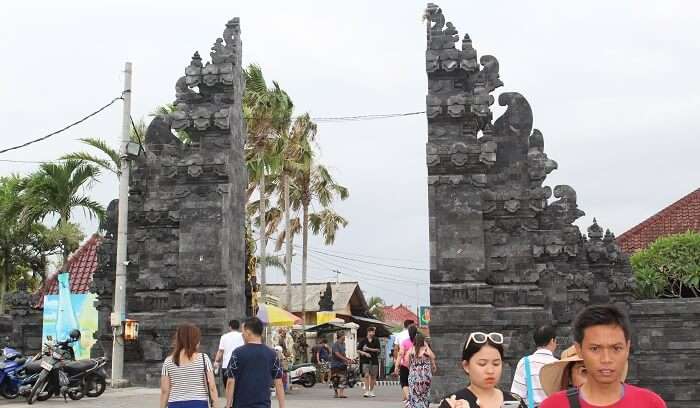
x,y
252,370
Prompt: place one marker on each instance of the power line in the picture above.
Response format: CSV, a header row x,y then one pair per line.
x,y
368,262
376,275
364,117
62,129
335,251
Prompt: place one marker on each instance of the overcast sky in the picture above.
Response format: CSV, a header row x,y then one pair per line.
x,y
613,86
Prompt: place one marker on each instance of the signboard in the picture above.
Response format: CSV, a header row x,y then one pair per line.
x,y
423,316
67,311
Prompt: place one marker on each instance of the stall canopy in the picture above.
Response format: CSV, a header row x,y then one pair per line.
x,y
365,322
275,316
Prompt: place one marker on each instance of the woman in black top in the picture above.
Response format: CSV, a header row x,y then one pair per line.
x,y
482,360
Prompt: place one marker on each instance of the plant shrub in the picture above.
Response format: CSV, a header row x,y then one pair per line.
x,y
670,267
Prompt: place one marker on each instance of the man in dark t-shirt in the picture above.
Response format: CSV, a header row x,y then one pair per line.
x,y
369,349
252,370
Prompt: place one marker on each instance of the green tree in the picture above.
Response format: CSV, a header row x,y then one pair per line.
x,y
268,112
670,267
376,307
58,189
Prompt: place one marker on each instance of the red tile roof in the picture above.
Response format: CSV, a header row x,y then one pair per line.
x,y
395,316
81,266
679,217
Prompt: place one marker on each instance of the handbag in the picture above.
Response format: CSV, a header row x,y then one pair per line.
x,y
206,381
528,381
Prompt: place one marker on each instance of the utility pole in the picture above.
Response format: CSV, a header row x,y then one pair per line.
x,y
418,303
337,277
119,312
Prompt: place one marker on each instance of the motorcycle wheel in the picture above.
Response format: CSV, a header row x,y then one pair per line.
x,y
38,388
9,391
75,395
95,385
309,380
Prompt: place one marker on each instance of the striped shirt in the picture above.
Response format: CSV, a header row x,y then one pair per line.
x,y
187,381
537,359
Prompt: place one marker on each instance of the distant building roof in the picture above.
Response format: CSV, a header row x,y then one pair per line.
x,y
81,266
679,217
342,295
395,316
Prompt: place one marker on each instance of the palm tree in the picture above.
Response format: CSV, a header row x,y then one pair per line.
x,y
57,189
12,232
268,112
376,307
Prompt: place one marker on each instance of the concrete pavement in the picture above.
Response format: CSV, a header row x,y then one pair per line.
x,y
317,397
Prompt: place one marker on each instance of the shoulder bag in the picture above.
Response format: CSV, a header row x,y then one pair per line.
x,y
206,380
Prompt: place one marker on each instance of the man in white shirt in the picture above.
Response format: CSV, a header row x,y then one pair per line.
x,y
546,342
229,342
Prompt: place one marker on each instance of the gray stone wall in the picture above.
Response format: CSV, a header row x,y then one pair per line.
x,y
23,323
505,256
666,349
186,216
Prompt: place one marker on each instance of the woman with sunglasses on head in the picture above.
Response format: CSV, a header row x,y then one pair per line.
x,y
482,360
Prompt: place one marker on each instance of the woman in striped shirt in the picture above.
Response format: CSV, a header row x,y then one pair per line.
x,y
187,379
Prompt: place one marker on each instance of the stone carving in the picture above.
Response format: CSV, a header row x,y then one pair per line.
x,y
503,257
325,304
186,246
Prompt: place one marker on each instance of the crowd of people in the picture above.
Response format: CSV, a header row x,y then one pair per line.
x,y
590,374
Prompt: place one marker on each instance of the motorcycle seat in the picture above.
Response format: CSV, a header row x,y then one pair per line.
x,y
33,367
297,366
74,367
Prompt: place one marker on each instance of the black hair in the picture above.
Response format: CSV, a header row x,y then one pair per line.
x,y
371,329
407,323
474,347
323,340
600,315
544,334
234,324
254,325
412,331
418,342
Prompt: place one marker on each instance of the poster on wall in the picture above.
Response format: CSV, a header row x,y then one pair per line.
x,y
67,311
424,316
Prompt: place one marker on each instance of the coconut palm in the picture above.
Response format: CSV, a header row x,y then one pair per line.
x,y
376,307
268,112
58,189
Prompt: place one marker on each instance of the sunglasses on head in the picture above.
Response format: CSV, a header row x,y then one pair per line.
x,y
481,338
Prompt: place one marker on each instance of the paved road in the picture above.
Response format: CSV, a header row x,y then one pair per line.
x,y
316,397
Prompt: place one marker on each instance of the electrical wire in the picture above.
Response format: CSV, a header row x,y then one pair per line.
x,y
376,275
63,129
335,251
368,262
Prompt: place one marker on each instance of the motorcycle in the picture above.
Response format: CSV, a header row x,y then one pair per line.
x,y
16,371
73,379
302,374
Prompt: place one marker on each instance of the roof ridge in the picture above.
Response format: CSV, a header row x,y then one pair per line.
x,y
659,214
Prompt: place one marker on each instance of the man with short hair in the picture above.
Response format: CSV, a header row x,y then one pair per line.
x,y
252,370
339,366
602,338
228,342
369,349
527,373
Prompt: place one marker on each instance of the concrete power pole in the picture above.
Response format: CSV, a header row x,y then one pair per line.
x,y
119,312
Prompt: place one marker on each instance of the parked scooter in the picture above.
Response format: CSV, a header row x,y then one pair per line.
x,y
73,379
14,372
302,374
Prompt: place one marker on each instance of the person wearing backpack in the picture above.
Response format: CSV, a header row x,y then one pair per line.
x,y
526,381
602,339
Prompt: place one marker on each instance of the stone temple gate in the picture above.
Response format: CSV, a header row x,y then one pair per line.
x,y
186,217
503,256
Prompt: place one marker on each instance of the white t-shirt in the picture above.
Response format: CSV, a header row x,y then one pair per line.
x,y
229,342
403,335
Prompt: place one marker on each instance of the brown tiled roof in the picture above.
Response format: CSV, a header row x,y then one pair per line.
x,y
395,316
679,217
81,266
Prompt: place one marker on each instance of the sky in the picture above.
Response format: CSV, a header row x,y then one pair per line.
x,y
612,85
